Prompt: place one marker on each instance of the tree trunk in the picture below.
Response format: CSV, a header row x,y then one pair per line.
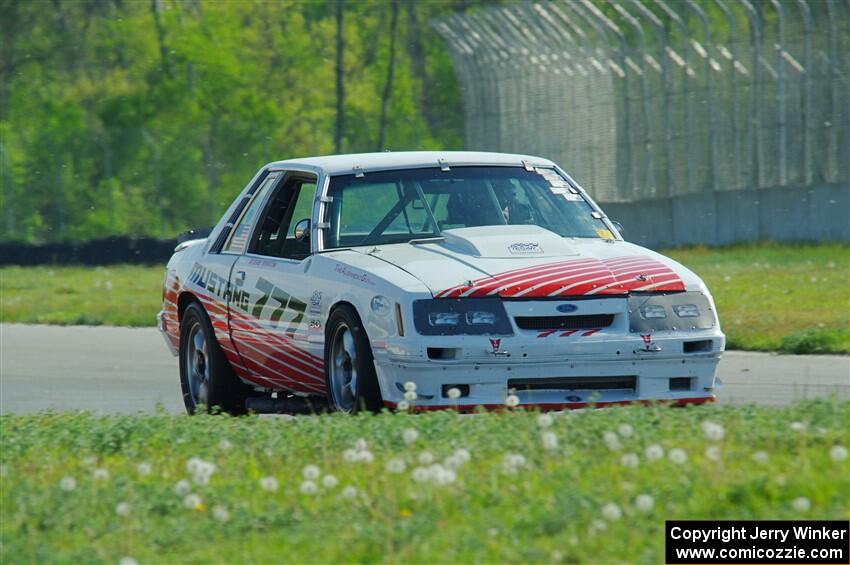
x,y
388,85
160,35
340,86
416,51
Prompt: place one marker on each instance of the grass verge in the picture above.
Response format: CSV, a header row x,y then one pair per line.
x,y
78,488
771,297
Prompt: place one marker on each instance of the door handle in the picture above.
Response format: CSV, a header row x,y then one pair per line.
x,y
239,278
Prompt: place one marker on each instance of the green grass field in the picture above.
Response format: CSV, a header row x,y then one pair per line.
x,y
770,297
75,488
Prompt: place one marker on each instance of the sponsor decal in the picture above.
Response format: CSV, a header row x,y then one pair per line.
x,y
565,308
346,272
316,302
574,398
315,324
605,234
648,345
642,277
262,263
525,249
495,344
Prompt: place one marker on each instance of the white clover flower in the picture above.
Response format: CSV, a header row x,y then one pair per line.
x,y
760,457
544,420
511,462
144,469
611,512
838,453
403,406
512,401
410,386
68,484
443,476
182,487
420,474
329,481
269,484
625,430
311,472
712,452
224,445
630,460
409,435
100,474
425,458
123,509
349,492
644,503
361,445
654,452
801,504
712,431
798,427
453,393
462,454
550,440
395,466
410,395
678,456
350,455
127,560
200,470
612,441
308,487
220,513
365,457
192,501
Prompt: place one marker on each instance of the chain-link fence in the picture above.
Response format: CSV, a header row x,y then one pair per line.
x,y
644,99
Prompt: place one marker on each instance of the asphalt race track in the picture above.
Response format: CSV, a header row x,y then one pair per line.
x,y
126,370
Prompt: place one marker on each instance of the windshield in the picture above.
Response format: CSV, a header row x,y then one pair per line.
x,y
398,206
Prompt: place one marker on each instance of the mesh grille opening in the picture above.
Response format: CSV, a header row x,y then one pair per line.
x,y
576,383
564,322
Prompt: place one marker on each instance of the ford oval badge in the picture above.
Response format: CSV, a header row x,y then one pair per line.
x,y
566,308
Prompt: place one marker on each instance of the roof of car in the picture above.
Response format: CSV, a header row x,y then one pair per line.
x,y
345,164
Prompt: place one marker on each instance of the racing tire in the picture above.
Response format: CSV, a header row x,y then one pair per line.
x,y
206,377
350,377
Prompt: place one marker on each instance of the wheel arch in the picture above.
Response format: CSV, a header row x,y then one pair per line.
x,y
183,300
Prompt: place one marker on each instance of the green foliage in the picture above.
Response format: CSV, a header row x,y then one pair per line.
x,y
547,506
817,341
146,118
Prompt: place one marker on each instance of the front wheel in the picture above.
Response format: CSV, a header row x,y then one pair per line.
x,y
206,377
349,366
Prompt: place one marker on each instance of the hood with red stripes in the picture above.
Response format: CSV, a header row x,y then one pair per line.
x,y
531,262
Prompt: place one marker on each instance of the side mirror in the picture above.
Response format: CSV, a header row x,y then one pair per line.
x,y
302,231
619,227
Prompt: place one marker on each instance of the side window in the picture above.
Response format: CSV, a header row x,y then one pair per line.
x,y
242,230
292,202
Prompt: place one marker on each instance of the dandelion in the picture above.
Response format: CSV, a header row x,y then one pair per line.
x,y
838,453
410,386
349,492
123,509
611,512
611,441
712,452
425,458
630,460
68,484
200,470
409,435
443,476
492,532
678,456
760,457
654,452
550,440
100,474
801,504
402,406
90,460
556,556
350,455
625,430
395,466
462,454
419,474
182,487
128,561
310,472
269,484
598,526
221,514
544,420
511,462
329,481
308,487
453,393
193,502
798,427
712,431
365,457
644,503
512,401
224,445
410,395
144,469
361,445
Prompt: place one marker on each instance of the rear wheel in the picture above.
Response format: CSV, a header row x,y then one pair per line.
x,y
206,377
349,366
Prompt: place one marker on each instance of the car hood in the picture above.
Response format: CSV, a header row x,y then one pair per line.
x,y
532,262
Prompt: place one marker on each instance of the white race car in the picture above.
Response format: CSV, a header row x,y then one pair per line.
x,y
338,281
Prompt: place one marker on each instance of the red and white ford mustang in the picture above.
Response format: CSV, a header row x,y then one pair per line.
x,y
338,280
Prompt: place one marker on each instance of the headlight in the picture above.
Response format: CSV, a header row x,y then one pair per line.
x,y
649,312
686,310
653,312
472,316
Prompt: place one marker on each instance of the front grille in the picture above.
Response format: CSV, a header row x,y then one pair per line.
x,y
564,322
575,383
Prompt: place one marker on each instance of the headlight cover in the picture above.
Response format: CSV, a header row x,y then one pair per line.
x,y
666,312
470,316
